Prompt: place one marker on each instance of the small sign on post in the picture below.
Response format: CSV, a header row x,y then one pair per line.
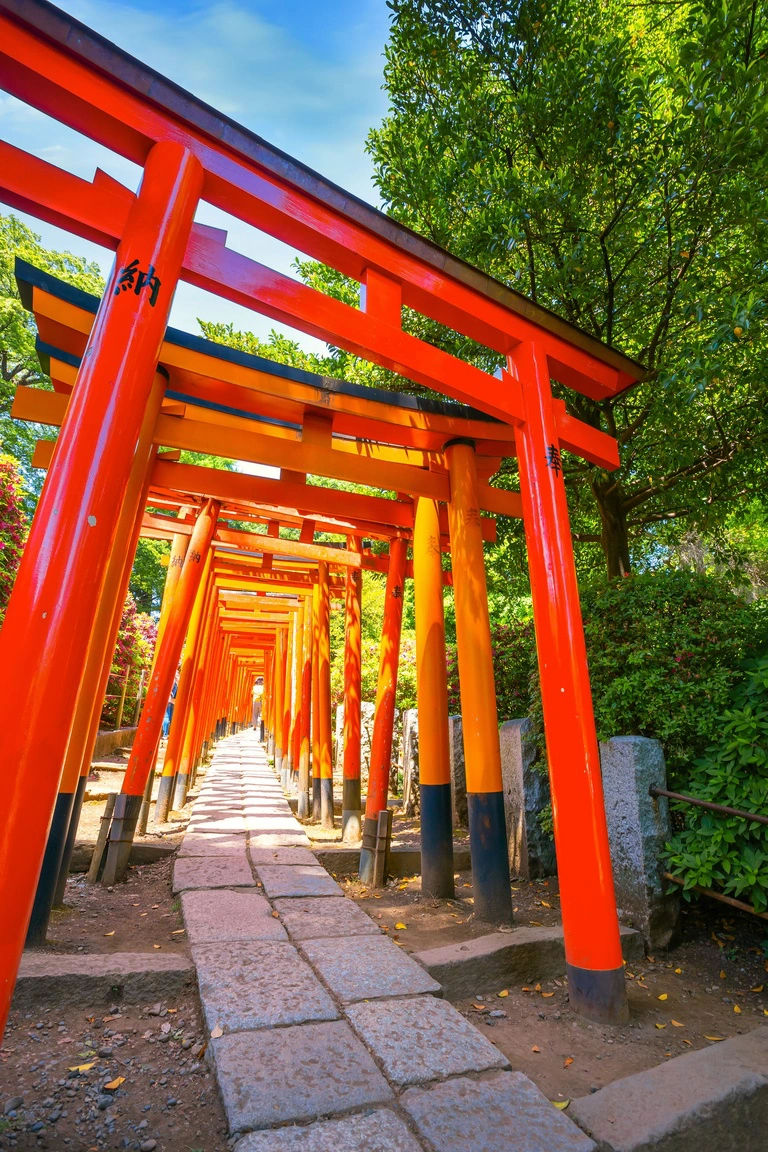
x,y
381,852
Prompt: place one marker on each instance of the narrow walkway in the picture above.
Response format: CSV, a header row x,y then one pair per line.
x,y
325,1036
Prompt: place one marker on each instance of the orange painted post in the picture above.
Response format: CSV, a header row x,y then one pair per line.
x,y
384,716
269,697
302,809
316,785
279,693
324,694
351,807
596,986
199,644
194,615
432,699
66,814
298,664
141,760
285,774
48,623
482,756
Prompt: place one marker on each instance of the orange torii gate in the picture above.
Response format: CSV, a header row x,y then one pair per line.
x,y
79,545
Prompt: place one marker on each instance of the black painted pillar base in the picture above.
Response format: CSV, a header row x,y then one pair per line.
x,y
66,859
490,859
436,841
163,802
180,792
598,994
124,820
351,812
326,803
302,805
146,800
49,873
317,804
368,850
261,731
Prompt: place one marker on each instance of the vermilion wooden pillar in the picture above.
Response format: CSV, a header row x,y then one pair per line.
x,y
47,627
480,728
596,986
324,694
432,699
302,809
278,680
141,760
316,757
384,716
298,664
61,835
351,810
290,637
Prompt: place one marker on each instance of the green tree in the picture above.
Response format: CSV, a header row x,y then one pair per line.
x,y
18,358
608,159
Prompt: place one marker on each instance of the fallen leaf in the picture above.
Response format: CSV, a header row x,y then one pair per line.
x,y
535,1048
216,1032
526,989
736,1009
714,1037
545,905
546,995
676,1024
661,1025
480,1008
275,915
504,992
83,1067
641,985
535,923
110,933
678,971
172,1010
688,1042
651,959
561,1104
155,945
178,931
758,989
722,975
115,1084
662,997
568,1060
400,927
537,988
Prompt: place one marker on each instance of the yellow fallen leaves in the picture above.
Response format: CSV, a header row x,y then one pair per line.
x,y
722,975
545,905
678,971
661,1025
568,1061
504,992
737,1010
663,996
400,927
83,1067
676,1024
759,988
561,1104
216,1032
115,1084
110,933
535,1048
546,995
715,1039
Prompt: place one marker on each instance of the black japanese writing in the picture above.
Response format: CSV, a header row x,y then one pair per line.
x,y
553,459
132,277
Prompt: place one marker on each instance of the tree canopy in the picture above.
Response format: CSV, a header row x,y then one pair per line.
x,y
608,159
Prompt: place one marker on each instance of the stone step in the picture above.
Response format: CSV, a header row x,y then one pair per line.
x,y
79,980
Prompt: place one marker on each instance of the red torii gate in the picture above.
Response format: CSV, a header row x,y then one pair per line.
x,y
190,152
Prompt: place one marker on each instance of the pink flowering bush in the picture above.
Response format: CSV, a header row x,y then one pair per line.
x,y
133,655
13,526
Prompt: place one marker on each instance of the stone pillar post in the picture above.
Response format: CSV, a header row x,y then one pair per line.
x,y
526,794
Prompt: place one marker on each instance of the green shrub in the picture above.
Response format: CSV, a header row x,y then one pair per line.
x,y
514,658
729,853
665,651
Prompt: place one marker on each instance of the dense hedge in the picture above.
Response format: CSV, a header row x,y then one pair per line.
x,y
727,852
13,526
665,651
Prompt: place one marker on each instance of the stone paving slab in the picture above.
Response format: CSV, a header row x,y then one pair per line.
x,y
258,985
295,1074
311,917
422,1039
367,968
297,839
283,856
502,1113
379,1131
716,1098
211,872
296,880
214,824
213,844
215,915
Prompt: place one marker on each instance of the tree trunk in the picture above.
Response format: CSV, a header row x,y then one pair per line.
x,y
613,536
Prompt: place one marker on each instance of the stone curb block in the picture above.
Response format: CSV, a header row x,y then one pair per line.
x,y
80,980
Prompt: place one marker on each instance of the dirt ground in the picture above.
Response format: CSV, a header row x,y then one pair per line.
x,y
714,985
60,1067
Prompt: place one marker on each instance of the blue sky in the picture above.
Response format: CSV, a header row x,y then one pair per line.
x,y
304,74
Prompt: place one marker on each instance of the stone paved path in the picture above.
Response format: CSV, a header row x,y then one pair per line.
x,y
325,1036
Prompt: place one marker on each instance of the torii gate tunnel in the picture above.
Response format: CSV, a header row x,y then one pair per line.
x,y
252,605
